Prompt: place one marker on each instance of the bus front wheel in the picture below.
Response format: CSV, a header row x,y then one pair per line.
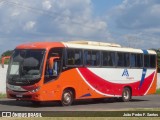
x,y
67,98
126,94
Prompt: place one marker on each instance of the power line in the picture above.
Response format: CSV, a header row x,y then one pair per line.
x,y
52,15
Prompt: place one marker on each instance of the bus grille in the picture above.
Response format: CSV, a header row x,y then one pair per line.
x,y
24,96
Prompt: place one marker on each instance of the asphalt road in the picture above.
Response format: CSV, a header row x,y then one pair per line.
x,y
150,101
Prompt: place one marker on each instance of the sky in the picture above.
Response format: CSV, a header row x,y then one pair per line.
x,y
130,23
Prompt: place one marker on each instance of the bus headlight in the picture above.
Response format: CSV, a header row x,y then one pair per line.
x,y
36,89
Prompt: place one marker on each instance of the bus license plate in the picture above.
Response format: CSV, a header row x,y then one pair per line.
x,y
19,96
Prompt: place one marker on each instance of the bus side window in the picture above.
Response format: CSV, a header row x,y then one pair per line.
x,y
91,58
70,57
152,61
87,58
51,73
139,60
108,59
78,57
126,59
113,59
105,59
95,58
74,57
146,61
56,68
133,60
120,62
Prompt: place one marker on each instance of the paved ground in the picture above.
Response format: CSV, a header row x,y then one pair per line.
x,y
150,101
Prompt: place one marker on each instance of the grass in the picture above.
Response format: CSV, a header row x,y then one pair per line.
x,y
158,91
2,95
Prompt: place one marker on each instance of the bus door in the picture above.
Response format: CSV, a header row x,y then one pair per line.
x,y
54,64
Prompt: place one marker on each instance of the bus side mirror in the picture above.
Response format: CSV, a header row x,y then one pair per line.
x,y
3,60
53,66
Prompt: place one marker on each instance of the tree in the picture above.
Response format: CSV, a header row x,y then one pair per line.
x,y
158,60
6,53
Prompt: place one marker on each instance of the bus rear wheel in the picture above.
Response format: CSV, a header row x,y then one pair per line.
x,y
126,94
67,98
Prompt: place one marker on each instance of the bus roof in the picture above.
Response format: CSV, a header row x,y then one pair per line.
x,y
82,45
104,46
40,45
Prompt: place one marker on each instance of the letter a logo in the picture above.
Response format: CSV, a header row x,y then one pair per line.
x,y
125,72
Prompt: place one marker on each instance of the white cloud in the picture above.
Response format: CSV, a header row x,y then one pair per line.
x,y
60,19
138,16
46,4
29,25
15,13
155,9
135,14
69,17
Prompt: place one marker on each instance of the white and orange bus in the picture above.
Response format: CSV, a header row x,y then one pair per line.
x,y
68,71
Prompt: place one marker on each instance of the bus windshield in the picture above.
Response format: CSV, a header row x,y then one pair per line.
x,y
25,65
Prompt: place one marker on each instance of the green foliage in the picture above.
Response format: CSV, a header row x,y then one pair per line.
x,y
158,60
158,91
6,53
2,95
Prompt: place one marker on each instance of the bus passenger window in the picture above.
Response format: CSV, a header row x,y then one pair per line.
x,y
95,58
120,59
70,57
139,60
105,59
136,60
74,57
87,58
146,61
133,60
126,60
108,59
78,57
113,59
152,61
91,58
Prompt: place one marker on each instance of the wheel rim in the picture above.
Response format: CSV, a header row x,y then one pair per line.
x,y
126,95
67,98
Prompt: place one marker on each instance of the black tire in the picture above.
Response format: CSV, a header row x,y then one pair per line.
x,y
36,103
99,100
126,94
67,98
